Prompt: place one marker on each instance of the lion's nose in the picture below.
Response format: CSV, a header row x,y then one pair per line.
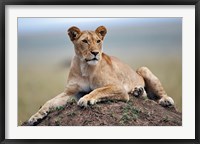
x,y
94,53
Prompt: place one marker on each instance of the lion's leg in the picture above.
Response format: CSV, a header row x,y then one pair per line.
x,y
58,101
154,85
110,92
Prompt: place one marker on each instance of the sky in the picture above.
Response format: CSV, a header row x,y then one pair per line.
x,y
44,38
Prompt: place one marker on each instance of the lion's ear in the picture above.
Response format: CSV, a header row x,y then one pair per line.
x,y
101,32
74,33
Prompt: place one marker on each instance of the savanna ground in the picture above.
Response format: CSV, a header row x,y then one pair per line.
x,y
39,83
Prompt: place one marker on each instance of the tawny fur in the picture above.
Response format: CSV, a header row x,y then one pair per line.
x,y
101,76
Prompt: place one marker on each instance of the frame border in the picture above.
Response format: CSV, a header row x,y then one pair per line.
x,y
3,4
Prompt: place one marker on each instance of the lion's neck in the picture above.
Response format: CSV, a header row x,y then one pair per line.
x,y
86,69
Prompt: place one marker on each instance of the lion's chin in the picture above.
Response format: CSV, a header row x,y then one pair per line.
x,y
92,62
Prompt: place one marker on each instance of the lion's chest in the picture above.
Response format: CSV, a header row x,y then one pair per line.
x,y
88,83
94,78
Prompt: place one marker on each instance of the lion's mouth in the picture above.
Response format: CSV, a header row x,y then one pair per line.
x,y
94,59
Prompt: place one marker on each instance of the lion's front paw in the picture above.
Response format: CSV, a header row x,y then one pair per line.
x,y
166,102
35,119
85,101
32,121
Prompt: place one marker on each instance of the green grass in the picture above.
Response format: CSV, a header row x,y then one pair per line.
x,y
71,113
60,108
166,119
129,113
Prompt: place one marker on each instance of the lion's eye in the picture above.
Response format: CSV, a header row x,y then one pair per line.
x,y
85,41
98,41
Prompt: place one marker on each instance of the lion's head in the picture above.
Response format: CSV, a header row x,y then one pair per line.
x,y
88,44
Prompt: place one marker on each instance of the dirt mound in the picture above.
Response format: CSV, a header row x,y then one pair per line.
x,y
136,112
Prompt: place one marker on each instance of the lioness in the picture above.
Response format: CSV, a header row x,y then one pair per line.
x,y
101,76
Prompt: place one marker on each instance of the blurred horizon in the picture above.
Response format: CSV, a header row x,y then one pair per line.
x,y
146,36
45,52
